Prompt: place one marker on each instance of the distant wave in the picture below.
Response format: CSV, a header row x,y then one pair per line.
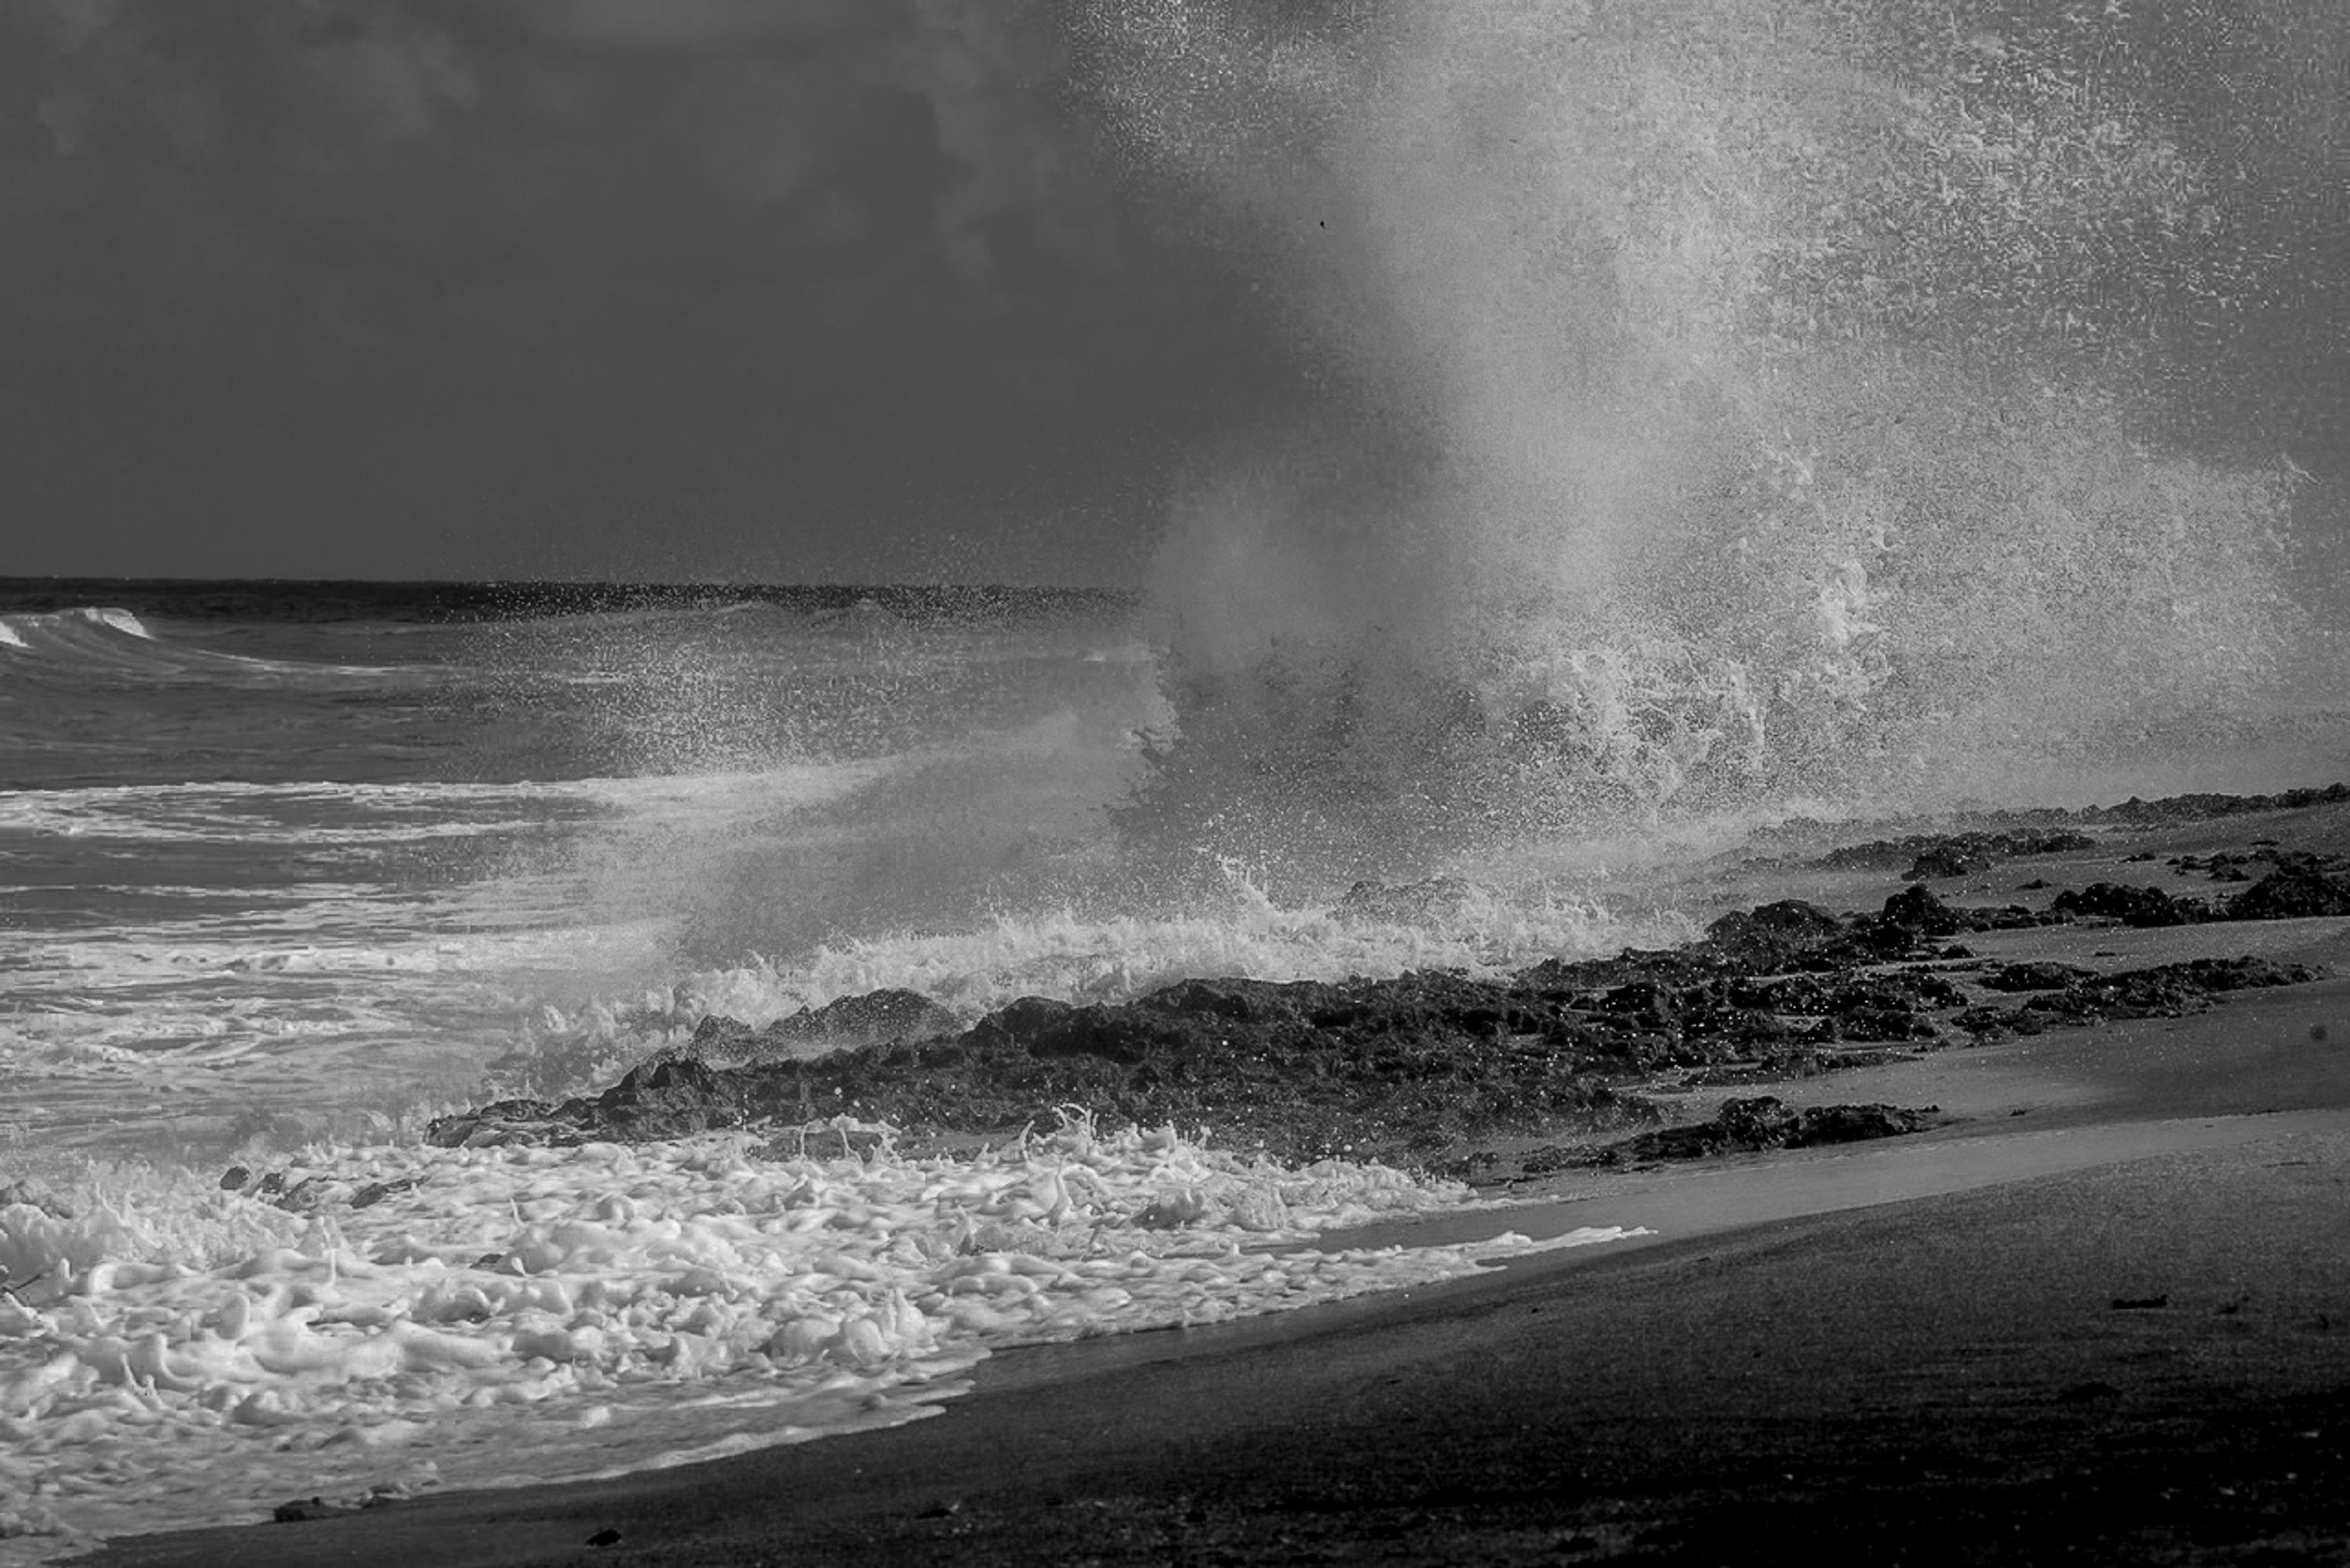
x,y
107,641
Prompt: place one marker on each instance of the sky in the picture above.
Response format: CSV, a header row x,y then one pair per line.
x,y
779,290
752,289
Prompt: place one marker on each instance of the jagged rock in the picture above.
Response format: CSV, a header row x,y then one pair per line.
x,y
670,1098
1915,909
1918,912
2198,807
2132,906
1767,936
375,1192
1946,860
2293,891
2165,990
1884,854
1384,1068
872,1019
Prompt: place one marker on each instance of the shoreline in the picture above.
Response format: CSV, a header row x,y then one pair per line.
x,y
2105,1311
2116,1332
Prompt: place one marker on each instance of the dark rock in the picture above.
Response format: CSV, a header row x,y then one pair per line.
x,y
1989,1025
1765,936
2132,906
2196,807
670,1098
304,1196
1399,1068
303,1510
2141,1303
1946,860
874,1018
605,1538
2294,891
1976,851
2219,867
2166,991
1916,910
375,1192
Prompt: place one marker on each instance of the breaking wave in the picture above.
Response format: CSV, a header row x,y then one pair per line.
x,y
515,1316
101,642
1726,402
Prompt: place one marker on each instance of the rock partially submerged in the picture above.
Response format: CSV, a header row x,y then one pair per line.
x,y
1396,1069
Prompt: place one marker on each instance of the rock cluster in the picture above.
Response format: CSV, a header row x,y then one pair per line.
x,y
1391,1068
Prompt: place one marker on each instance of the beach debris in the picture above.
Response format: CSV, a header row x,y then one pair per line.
x,y
605,1537
2142,1304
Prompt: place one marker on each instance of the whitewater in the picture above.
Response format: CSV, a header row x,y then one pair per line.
x,y
1716,421
450,890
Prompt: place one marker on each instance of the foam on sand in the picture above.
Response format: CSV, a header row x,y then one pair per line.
x,y
503,1316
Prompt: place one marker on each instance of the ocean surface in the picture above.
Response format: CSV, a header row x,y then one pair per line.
x,y
285,869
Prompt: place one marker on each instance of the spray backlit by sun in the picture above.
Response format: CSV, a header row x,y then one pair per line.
x,y
1735,402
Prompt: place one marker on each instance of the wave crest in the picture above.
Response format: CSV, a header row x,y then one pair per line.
x,y
1726,402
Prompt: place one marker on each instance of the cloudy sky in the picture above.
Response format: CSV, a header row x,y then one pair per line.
x,y
783,289
786,290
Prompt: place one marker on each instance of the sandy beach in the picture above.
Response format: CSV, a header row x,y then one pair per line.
x,y
2101,1315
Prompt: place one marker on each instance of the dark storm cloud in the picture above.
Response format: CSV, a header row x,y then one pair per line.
x,y
782,281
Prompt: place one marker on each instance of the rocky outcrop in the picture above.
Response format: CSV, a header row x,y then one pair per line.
x,y
2295,891
2130,904
1936,854
1387,1067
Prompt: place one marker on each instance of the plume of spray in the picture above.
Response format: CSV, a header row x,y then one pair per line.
x,y
1728,402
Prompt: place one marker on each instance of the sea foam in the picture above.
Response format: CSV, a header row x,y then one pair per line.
x,y
504,1316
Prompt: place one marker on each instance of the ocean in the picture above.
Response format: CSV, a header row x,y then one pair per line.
x,y
287,868
1721,429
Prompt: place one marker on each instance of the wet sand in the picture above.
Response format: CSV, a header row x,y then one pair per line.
x,y
2104,1316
